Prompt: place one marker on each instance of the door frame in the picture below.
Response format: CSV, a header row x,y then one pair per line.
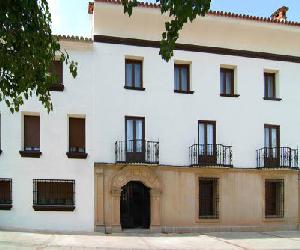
x,y
135,155
271,160
205,157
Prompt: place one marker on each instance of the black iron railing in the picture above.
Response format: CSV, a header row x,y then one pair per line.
x,y
210,155
277,157
137,151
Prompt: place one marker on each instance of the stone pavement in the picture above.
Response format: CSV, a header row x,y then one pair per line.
x,y
227,240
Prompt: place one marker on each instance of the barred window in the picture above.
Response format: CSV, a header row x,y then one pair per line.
x,y
5,194
208,198
53,195
274,198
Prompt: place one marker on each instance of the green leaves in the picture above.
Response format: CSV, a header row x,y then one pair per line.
x,y
27,49
180,12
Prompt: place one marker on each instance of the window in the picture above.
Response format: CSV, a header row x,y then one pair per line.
x,y
207,142
133,74
31,137
274,198
208,198
57,70
227,82
270,87
182,78
77,138
53,195
135,139
5,194
272,136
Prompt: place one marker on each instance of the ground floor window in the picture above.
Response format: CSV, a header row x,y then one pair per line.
x,y
208,198
53,195
274,198
5,194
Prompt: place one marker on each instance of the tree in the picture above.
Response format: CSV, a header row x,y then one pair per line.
x,y
180,12
27,49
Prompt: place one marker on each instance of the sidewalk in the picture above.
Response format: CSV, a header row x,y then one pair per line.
x,y
228,240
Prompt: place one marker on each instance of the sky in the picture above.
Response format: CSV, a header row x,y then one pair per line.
x,y
70,17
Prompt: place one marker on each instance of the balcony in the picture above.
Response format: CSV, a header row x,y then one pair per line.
x,y
210,155
277,157
137,151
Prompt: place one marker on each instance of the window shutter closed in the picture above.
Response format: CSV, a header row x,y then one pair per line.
x,y
31,132
55,193
57,68
5,192
77,132
270,198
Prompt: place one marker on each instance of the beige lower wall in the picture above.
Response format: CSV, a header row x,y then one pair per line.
x,y
175,200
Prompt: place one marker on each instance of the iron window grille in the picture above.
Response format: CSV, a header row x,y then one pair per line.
x,y
5,194
274,198
208,198
53,195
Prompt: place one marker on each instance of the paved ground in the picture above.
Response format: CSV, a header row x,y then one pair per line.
x,y
222,241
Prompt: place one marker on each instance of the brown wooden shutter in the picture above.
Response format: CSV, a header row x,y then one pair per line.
x,y
5,191
31,132
55,193
77,132
57,68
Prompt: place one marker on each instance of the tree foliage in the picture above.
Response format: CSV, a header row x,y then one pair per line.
x,y
180,12
27,49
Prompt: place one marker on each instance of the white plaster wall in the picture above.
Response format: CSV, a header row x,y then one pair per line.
x,y
98,93
53,164
173,118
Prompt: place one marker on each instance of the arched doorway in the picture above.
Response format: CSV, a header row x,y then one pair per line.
x,y
135,205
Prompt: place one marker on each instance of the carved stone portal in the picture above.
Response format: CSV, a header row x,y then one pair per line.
x,y
148,178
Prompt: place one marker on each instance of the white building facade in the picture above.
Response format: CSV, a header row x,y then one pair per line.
x,y
175,105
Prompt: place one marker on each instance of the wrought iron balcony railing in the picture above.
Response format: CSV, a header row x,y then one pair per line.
x,y
137,151
277,157
210,155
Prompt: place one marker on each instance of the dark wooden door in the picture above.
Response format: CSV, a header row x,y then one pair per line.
x,y
135,205
135,139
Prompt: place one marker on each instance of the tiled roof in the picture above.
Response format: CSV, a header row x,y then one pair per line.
x,y
217,13
74,38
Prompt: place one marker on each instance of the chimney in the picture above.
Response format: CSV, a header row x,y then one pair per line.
x,y
91,8
280,14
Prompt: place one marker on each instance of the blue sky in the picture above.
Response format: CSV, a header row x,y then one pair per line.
x,y
70,17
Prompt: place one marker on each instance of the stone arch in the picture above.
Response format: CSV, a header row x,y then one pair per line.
x,y
142,174
148,177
